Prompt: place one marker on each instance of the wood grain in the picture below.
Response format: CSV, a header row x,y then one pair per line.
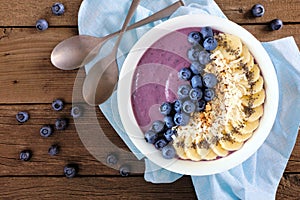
x,y
26,12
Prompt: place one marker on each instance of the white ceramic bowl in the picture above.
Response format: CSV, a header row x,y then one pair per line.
x,y
186,166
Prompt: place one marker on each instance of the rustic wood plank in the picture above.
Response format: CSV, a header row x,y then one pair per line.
x,y
26,67
15,137
94,188
26,12
116,188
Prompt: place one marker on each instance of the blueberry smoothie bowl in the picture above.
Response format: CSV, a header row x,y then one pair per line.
x,y
198,95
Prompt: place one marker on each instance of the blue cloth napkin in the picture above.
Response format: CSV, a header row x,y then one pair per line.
x,y
256,178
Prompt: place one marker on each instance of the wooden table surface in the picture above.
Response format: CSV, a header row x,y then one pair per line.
x,y
28,81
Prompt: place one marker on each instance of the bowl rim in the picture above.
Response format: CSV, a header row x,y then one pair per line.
x,y
201,167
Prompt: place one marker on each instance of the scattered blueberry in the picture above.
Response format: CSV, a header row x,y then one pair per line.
x,y
196,81
183,91
61,124
46,131
200,105
124,170
58,9
196,67
210,43
193,53
158,126
111,159
53,150
196,94
188,106
169,121
57,104
41,24
178,105
165,108
151,136
206,32
25,155
70,171
194,37
168,152
258,10
76,111
209,94
22,116
181,119
209,80
185,74
169,133
204,57
276,24
159,144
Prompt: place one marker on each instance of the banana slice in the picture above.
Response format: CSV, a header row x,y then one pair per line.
x,y
190,149
254,73
211,155
230,145
256,113
241,137
230,46
250,63
256,87
179,144
218,149
246,54
254,100
249,127
202,149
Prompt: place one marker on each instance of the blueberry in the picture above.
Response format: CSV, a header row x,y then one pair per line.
x,y
209,94
196,67
185,74
165,108
181,119
25,155
258,10
194,37
58,9
22,116
204,57
76,111
276,24
70,170
196,94
111,159
209,80
169,121
61,124
178,105
206,32
124,170
193,54
57,105
188,106
53,150
159,144
46,131
200,105
169,133
183,91
41,24
151,136
210,43
158,126
168,152
196,81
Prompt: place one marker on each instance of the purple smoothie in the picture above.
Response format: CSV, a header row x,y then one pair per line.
x,y
155,79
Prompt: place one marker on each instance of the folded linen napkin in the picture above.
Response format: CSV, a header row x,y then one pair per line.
x,y
259,176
